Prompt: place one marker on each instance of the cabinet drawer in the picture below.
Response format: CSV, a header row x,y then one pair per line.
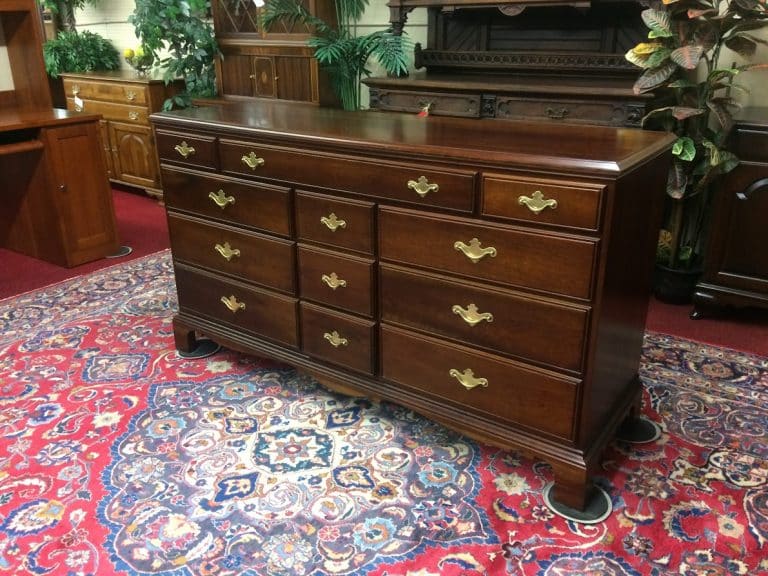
x,y
504,322
568,204
249,309
511,392
252,257
187,149
419,184
340,281
337,338
569,111
467,105
110,111
511,256
335,221
259,206
135,94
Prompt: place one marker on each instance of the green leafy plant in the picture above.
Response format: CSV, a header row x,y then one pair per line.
x,y
181,31
63,11
342,54
79,52
683,57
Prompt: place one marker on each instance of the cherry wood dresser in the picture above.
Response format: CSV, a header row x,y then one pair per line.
x,y
491,275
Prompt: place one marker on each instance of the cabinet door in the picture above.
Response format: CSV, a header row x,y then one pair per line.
x,y
134,156
264,77
294,78
81,192
236,71
235,17
107,147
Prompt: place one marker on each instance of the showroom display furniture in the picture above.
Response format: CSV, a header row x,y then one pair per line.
x,y
125,100
491,275
273,62
57,202
736,261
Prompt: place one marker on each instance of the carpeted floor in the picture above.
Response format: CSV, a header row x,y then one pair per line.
x,y
118,456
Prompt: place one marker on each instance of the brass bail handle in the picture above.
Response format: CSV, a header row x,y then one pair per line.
x,y
335,339
422,186
474,251
467,379
536,202
333,281
184,149
232,304
220,199
333,222
470,314
226,251
252,161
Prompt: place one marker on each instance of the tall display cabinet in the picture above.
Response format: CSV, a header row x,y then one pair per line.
x,y
268,62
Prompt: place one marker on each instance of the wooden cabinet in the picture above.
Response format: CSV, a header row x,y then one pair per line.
x,y
493,276
125,101
268,62
736,265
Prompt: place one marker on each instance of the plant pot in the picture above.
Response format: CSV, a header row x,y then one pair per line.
x,y
674,285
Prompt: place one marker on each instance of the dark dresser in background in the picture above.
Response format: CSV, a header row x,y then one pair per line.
x,y
736,265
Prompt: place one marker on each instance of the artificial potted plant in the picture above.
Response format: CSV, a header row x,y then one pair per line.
x,y
682,58
73,51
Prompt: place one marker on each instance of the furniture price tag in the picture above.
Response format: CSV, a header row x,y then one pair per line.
x,y
78,102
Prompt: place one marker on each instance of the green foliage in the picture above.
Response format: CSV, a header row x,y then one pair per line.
x,y
64,11
79,52
182,28
344,56
682,58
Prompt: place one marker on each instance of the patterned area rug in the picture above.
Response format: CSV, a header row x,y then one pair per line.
x,y
120,457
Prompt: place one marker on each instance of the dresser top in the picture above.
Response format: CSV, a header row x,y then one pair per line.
x,y
152,77
574,148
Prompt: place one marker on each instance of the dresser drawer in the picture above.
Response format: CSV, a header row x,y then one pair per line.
x,y
110,111
504,322
259,206
335,280
467,105
569,111
337,338
507,390
553,202
187,149
251,257
424,185
335,221
547,262
249,309
135,94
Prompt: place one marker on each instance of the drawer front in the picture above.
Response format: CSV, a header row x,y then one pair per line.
x,y
569,111
337,338
466,105
511,392
259,206
510,256
419,184
266,314
567,204
334,221
752,145
194,150
134,94
335,280
254,258
512,324
110,111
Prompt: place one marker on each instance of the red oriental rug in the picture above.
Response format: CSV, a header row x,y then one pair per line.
x,y
120,457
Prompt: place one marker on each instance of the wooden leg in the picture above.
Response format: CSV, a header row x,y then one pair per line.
x,y
184,337
574,496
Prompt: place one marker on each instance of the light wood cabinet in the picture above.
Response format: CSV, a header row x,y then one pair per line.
x,y
125,100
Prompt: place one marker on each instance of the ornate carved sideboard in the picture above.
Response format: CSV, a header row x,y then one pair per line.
x,y
547,60
493,276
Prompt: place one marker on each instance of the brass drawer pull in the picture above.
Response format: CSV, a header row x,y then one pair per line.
x,y
75,89
467,379
536,202
335,339
252,161
220,199
133,115
232,304
332,222
227,251
333,281
470,315
184,149
130,95
422,186
473,251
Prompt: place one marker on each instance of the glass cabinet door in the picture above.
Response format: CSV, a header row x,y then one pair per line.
x,y
236,17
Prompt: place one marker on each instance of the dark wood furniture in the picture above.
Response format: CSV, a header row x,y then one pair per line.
x,y
736,263
125,100
544,60
57,203
491,275
268,62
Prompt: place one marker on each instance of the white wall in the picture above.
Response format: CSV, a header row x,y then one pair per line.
x,y
6,80
109,18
